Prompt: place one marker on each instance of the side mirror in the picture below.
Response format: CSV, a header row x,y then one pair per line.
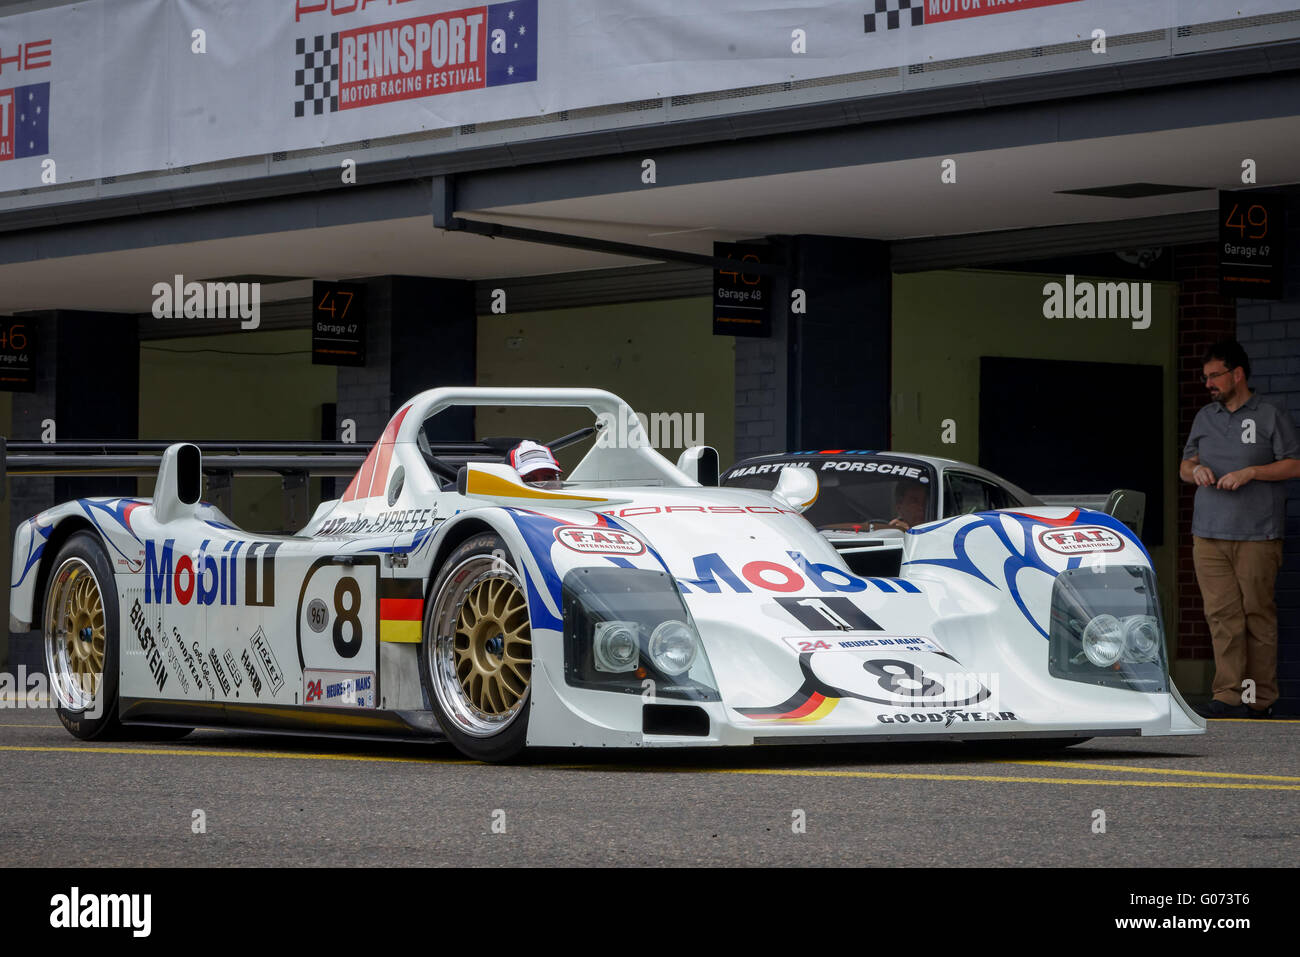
x,y
797,488
1129,507
700,462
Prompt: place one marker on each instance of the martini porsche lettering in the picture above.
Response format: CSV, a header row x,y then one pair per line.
x,y
1080,540
208,579
880,468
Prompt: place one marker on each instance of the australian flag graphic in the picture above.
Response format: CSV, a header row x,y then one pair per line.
x,y
512,42
25,121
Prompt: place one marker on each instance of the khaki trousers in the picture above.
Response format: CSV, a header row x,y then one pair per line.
x,y
1237,581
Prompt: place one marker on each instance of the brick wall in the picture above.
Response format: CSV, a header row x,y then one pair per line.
x,y
1270,333
1204,317
365,392
760,396
27,496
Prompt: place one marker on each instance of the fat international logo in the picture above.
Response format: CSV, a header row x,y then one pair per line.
x,y
886,15
428,55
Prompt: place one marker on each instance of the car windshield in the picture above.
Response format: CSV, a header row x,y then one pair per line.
x,y
857,494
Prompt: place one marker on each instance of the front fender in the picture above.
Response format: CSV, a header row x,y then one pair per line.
x,y
38,539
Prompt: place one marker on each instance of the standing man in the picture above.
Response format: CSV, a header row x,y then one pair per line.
x,y
1240,451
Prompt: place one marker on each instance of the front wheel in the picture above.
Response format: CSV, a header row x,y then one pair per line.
x,y
476,655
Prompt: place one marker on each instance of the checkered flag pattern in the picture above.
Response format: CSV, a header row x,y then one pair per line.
x,y
891,14
317,77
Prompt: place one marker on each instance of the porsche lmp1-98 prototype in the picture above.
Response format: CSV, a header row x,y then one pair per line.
x,y
629,607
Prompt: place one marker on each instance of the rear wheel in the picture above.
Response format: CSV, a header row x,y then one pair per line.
x,y
80,637
82,644
476,656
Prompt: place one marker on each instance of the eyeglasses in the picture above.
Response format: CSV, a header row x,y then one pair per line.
x,y
1205,379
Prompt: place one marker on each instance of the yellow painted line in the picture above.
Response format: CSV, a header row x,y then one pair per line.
x,y
1084,766
778,772
990,778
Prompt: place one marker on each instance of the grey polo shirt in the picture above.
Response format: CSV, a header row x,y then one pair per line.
x,y
1258,433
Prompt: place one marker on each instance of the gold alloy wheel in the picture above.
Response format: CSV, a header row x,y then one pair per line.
x,y
493,649
74,635
482,649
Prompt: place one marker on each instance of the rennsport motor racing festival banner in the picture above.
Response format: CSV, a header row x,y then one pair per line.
x,y
111,87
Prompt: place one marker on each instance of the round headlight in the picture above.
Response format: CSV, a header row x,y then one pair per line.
x,y
1103,640
1142,637
615,646
673,647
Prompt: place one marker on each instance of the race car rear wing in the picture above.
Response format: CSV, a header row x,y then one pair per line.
x,y
1125,504
222,461
294,462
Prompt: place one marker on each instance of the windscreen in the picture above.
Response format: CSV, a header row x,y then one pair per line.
x,y
856,494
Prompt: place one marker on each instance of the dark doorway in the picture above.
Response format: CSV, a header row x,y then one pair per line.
x,y
1060,428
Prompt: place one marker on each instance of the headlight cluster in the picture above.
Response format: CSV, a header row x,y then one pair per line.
x,y
626,626
1106,639
1105,628
672,646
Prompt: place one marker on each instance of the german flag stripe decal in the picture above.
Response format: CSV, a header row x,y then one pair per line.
x,y
401,610
401,588
804,706
404,632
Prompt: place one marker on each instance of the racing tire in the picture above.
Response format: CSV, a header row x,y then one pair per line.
x,y
79,629
476,653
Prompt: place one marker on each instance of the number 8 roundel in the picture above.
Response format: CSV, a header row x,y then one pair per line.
x,y
338,615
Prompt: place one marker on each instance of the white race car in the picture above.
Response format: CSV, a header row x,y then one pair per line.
x,y
630,606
